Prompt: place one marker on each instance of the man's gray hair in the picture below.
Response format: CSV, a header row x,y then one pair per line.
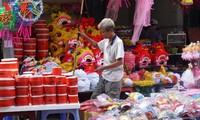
x,y
106,24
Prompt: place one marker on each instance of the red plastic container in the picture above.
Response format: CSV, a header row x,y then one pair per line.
x,y
30,47
50,89
22,81
61,89
7,91
41,30
7,101
56,71
72,81
22,90
62,98
37,90
9,60
22,100
7,82
37,100
8,73
42,45
8,65
29,41
50,99
61,80
72,90
50,80
36,80
73,98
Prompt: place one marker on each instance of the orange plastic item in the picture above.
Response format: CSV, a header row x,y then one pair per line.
x,y
61,80
62,98
37,100
50,80
72,90
22,90
8,65
8,73
50,99
37,90
73,98
50,89
36,80
72,81
56,71
61,89
22,100
22,81
7,91
7,101
7,82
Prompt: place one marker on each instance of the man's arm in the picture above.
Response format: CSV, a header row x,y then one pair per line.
x,y
113,65
93,42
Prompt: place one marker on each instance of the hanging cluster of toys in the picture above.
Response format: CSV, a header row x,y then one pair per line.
x,y
16,18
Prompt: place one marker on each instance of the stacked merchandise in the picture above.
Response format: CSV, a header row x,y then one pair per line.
x,y
42,35
51,88
29,47
8,69
18,48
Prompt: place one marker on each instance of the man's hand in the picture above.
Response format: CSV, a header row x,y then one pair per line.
x,y
100,69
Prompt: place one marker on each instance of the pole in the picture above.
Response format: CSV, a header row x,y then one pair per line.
x,y
75,57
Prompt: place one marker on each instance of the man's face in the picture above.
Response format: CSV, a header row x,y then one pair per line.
x,y
105,33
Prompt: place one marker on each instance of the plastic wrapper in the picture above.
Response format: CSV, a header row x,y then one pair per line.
x,y
103,101
136,114
168,115
135,96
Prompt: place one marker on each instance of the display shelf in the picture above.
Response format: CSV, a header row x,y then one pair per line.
x,y
176,39
40,107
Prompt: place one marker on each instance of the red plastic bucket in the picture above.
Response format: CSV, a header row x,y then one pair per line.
x,y
61,80
61,89
72,81
22,90
22,81
37,90
22,100
62,98
30,41
42,54
73,98
9,65
57,71
42,45
72,90
7,101
8,73
41,30
7,82
50,89
7,91
50,99
37,100
36,80
50,80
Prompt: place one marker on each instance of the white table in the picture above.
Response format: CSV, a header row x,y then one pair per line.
x,y
46,109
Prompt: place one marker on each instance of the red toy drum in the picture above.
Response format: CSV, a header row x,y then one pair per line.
x,y
50,80
72,81
22,90
61,89
37,90
62,98
72,90
22,81
50,99
8,73
50,89
56,71
61,80
7,82
22,100
73,98
7,101
7,91
36,80
37,100
41,30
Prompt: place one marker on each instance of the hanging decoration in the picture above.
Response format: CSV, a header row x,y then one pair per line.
x,y
113,8
141,17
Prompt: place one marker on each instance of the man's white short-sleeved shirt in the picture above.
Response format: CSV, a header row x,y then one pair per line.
x,y
111,54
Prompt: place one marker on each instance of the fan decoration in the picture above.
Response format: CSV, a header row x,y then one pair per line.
x,y
16,18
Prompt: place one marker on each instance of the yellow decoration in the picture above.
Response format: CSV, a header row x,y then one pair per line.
x,y
163,71
187,2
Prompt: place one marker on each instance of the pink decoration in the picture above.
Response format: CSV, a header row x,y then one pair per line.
x,y
129,61
141,17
